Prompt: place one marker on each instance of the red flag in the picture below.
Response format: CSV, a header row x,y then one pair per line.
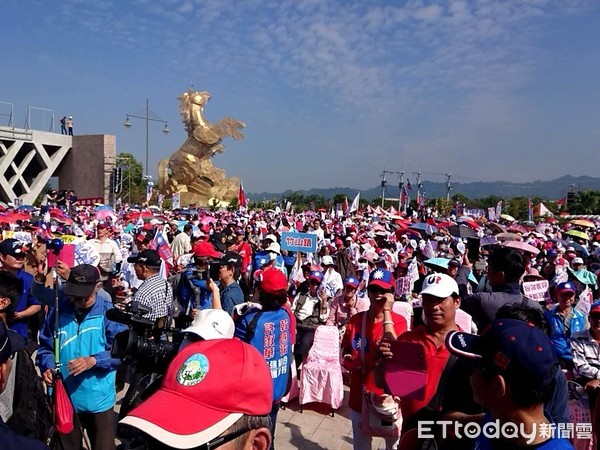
x,y
243,202
561,201
345,205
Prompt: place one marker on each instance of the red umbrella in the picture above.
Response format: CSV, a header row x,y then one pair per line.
x,y
20,215
6,218
60,216
469,222
517,228
145,215
445,224
412,233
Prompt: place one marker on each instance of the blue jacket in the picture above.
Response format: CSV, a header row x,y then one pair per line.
x,y
272,338
560,340
25,301
231,296
93,390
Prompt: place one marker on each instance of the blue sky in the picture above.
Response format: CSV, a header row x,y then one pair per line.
x,y
332,92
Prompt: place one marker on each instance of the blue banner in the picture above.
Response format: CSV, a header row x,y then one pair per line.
x,y
299,242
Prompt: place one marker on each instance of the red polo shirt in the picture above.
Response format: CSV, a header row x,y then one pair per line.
x,y
436,357
351,344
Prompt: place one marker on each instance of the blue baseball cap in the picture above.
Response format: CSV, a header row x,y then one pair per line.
x,y
12,247
518,350
351,281
382,278
567,286
316,275
551,253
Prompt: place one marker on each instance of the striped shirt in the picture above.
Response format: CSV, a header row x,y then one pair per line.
x,y
156,293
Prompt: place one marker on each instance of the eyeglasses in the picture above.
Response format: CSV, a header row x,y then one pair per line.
x,y
218,441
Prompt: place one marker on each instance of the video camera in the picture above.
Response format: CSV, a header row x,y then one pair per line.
x,y
201,274
141,343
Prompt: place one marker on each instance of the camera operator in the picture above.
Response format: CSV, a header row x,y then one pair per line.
x,y
85,340
154,292
193,293
228,294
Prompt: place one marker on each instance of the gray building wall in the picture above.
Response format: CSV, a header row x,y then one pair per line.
x,y
87,167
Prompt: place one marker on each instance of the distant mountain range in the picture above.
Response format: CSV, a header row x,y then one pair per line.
x,y
547,190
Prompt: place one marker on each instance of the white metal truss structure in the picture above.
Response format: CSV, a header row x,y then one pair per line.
x,y
28,159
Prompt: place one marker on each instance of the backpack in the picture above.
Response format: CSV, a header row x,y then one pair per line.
x,y
32,415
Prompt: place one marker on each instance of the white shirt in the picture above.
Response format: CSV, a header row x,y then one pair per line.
x,y
332,283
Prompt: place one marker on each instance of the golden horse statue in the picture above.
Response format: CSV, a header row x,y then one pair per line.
x,y
189,170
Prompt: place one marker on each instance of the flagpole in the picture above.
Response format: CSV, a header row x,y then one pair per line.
x,y
400,187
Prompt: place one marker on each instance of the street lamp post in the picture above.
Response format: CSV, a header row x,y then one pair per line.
x,y
149,116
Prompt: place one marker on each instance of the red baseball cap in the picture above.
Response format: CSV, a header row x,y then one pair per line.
x,y
273,280
207,388
206,249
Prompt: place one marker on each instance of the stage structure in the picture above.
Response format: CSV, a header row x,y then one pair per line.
x,y
29,158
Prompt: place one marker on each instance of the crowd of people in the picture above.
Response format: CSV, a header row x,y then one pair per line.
x,y
485,321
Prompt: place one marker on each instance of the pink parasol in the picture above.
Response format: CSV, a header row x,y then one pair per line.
x,y
521,246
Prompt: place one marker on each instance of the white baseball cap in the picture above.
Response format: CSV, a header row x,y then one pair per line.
x,y
274,247
212,324
439,285
577,261
327,261
272,237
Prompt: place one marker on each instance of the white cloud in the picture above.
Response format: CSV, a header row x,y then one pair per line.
x,y
415,77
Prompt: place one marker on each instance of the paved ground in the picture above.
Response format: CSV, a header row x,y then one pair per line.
x,y
315,429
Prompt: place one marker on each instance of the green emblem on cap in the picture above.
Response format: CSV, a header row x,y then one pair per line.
x,y
193,370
